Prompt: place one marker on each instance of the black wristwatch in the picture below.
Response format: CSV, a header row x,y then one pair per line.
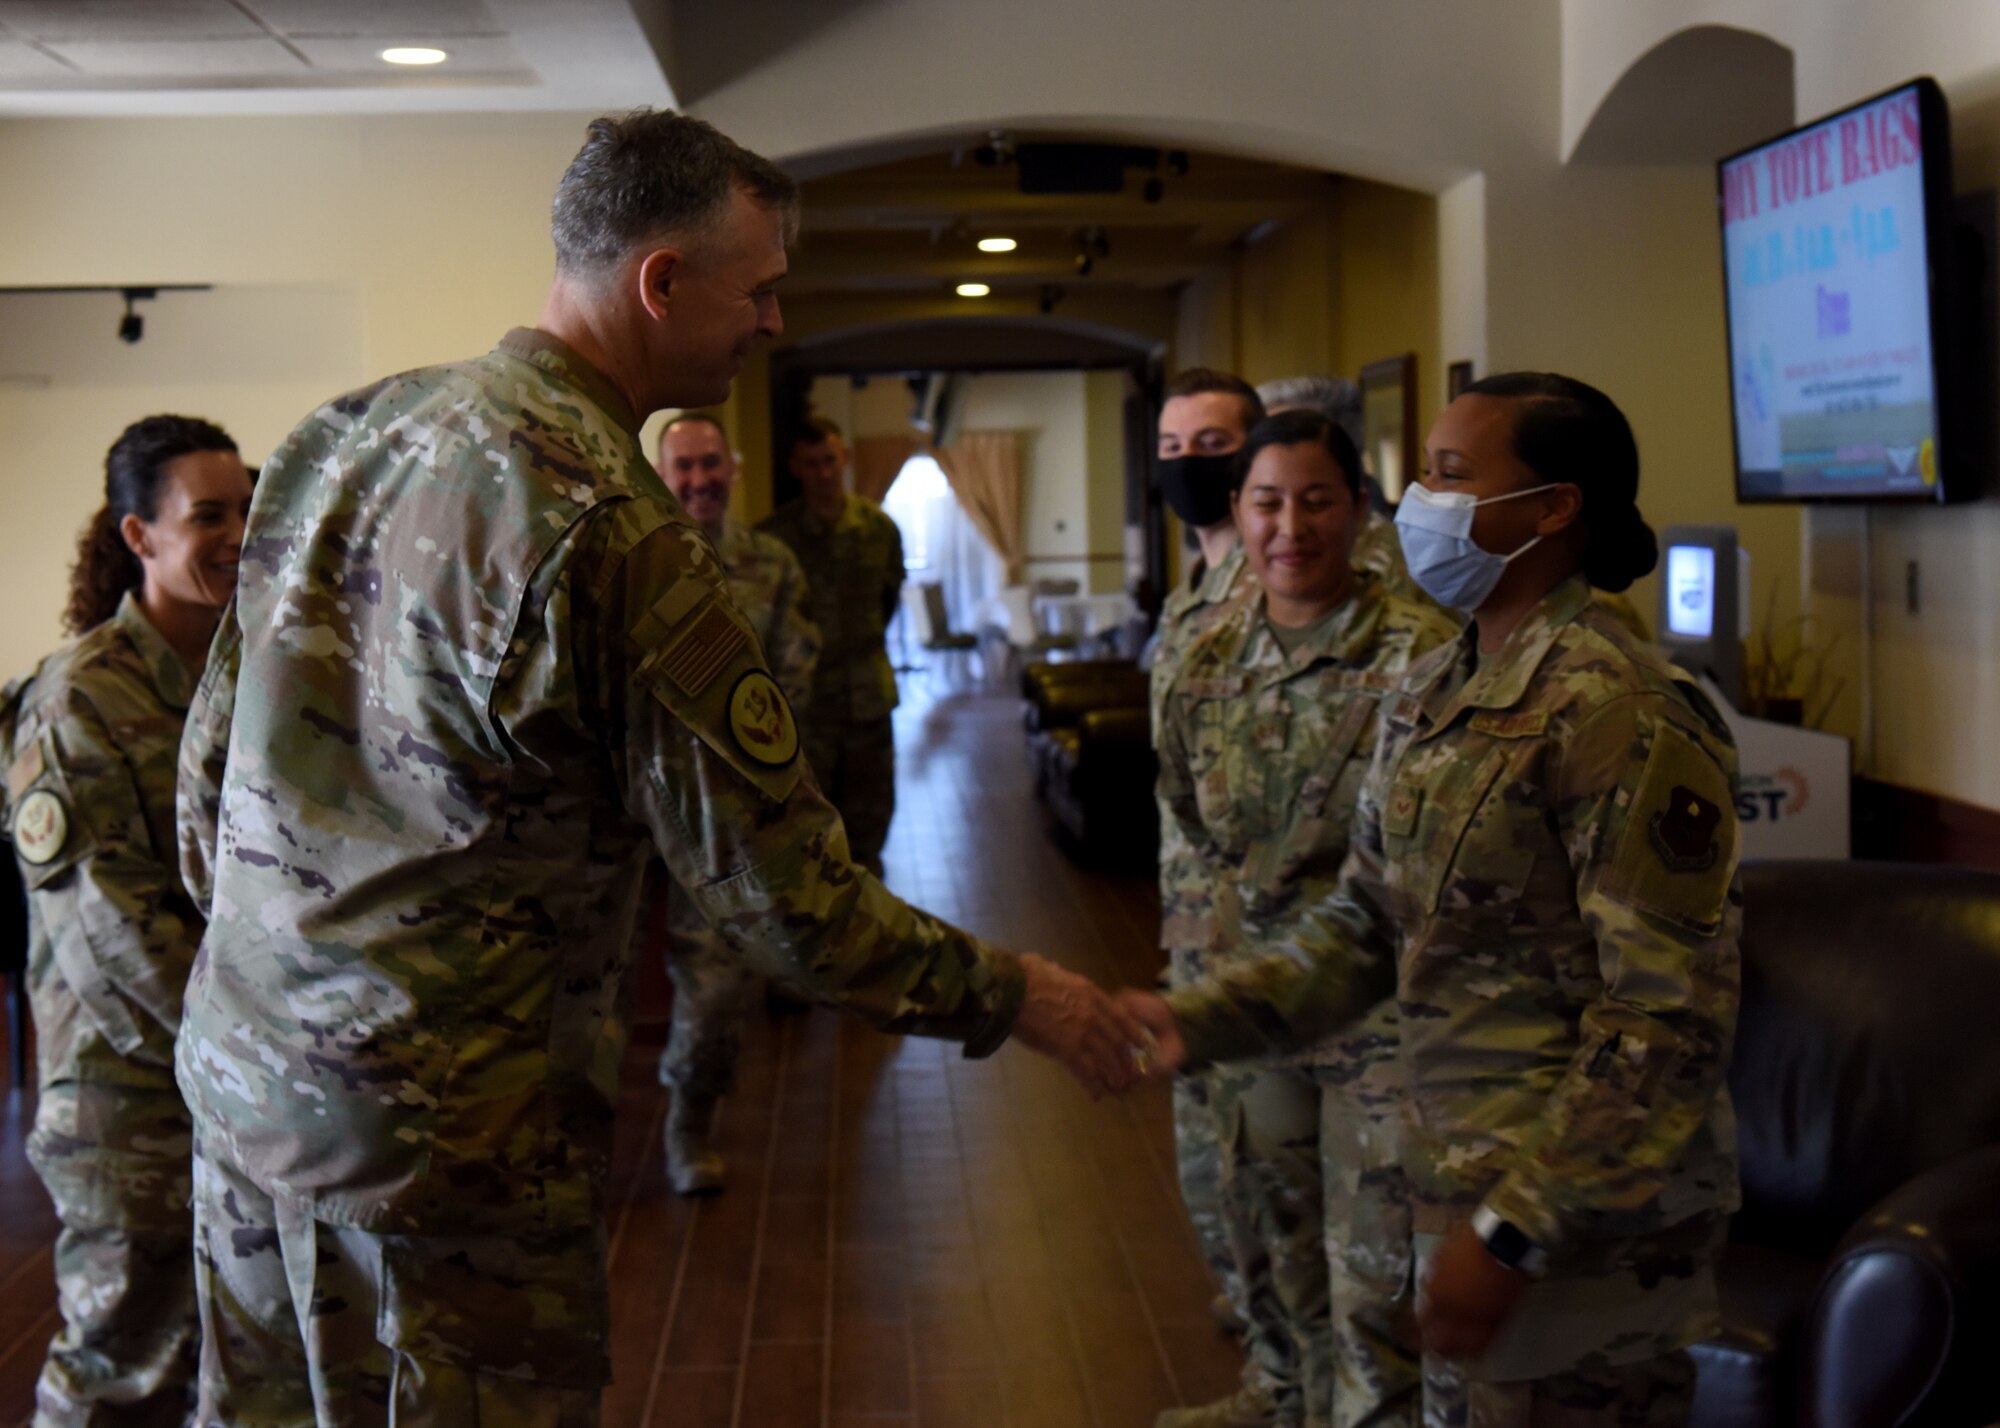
x,y
1508,1243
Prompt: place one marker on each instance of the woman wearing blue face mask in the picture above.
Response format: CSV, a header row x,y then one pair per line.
x,y
1542,870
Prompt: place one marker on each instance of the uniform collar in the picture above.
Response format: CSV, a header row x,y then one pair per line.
x,y
1346,634
1215,586
171,678
1499,680
734,538
562,362
849,517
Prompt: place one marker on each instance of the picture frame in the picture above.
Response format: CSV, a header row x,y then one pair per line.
x,y
1389,422
1457,377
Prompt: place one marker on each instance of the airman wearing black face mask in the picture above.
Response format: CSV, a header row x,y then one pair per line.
x,y
1204,423
1206,419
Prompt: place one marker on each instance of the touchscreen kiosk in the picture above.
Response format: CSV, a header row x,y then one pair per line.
x,y
1702,610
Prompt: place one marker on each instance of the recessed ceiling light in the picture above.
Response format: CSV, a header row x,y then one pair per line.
x,y
414,54
973,290
997,245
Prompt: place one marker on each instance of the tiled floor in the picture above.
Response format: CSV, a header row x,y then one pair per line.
x,y
908,1238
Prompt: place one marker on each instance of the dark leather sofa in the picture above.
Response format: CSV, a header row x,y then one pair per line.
x,y
1861,1281
1090,751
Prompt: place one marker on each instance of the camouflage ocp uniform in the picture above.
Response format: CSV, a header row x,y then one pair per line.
x,y
854,579
90,741
1543,870
1201,1100
711,983
480,671
1262,754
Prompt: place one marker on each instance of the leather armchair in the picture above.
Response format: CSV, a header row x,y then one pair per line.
x,y
1090,751
1861,1282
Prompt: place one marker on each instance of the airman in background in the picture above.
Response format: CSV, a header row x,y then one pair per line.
x,y
1269,725
853,559
712,986
90,741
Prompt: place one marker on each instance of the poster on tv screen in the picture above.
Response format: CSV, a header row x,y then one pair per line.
x,y
1828,279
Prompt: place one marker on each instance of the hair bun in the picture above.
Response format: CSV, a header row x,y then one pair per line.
x,y
1622,548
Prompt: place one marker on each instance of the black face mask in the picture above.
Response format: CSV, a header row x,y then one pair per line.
x,y
1197,487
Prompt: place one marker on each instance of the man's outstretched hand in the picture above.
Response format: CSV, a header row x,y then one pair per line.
x,y
1164,1051
1067,1017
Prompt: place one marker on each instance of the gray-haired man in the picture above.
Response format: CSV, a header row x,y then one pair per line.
x,y
482,668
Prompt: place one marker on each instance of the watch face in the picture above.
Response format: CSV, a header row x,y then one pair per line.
x,y
1508,1245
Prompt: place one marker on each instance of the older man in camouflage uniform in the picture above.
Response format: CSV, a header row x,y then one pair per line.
x,y
853,559
1543,870
711,984
1265,736
482,669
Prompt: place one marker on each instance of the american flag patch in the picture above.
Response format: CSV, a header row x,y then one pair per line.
x,y
704,651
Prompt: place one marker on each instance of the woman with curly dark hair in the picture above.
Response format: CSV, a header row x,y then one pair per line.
x,y
91,740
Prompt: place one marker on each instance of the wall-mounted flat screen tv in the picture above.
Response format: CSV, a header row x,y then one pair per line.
x,y
1836,243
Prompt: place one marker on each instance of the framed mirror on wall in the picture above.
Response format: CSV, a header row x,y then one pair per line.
x,y
1389,421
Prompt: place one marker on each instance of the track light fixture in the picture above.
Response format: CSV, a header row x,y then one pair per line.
x,y
1051,295
132,327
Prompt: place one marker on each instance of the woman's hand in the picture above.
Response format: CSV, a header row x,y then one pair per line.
x,y
1163,1053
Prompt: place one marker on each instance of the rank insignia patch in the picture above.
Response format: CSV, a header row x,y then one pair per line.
x,y
761,722
41,827
1683,832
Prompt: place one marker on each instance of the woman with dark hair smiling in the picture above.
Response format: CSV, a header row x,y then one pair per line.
x,y
1543,872
92,740
1267,726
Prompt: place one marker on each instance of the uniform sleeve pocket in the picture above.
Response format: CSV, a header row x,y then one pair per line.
x,y
709,674
1676,852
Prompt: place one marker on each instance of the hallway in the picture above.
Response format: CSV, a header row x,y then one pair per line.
x,y
909,1239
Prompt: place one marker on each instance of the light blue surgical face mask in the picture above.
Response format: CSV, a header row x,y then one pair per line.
x,y
1435,528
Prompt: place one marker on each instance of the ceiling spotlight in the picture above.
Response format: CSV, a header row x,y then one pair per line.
x,y
1084,263
414,54
997,245
973,290
132,327
1051,295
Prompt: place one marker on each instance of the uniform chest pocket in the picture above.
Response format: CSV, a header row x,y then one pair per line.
x,y
1488,836
1332,765
1459,830
1220,761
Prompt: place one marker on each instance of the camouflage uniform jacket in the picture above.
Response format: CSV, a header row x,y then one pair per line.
x,y
1205,597
769,589
1262,755
90,740
1544,870
481,666
854,579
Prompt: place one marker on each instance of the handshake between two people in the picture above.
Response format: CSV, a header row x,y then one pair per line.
x,y
1112,1041
1109,1042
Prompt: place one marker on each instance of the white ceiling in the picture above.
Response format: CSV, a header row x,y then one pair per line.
x,y
130,57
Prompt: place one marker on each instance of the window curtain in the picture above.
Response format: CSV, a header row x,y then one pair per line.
x,y
877,461
984,468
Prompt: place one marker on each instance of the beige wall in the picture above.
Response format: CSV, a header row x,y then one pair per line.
x,y
342,249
